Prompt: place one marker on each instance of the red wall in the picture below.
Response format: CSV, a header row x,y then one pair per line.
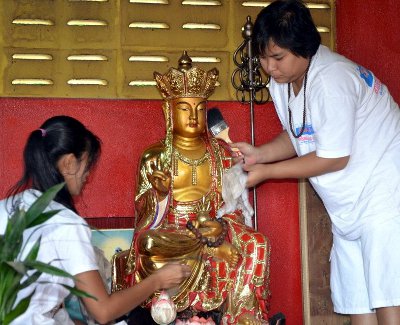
x,y
368,33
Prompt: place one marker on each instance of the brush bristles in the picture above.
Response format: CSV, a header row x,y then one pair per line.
x,y
215,121
218,128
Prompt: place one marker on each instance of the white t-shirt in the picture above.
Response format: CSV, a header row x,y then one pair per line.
x,y
349,112
66,244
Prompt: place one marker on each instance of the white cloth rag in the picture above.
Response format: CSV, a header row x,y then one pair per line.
x,y
235,194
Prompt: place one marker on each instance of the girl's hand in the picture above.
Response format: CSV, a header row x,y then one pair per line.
x,y
171,275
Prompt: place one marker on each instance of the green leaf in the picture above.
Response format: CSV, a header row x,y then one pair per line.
x,y
6,272
8,275
33,253
79,293
12,270
18,266
43,217
30,279
47,268
18,310
40,204
10,292
13,236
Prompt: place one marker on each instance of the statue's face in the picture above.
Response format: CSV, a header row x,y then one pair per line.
x,y
189,116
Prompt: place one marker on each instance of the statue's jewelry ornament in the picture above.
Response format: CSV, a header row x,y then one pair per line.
x,y
194,163
186,81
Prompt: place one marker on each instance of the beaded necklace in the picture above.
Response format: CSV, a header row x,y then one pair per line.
x,y
304,106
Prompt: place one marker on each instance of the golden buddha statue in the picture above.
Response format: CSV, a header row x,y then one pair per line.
x,y
178,194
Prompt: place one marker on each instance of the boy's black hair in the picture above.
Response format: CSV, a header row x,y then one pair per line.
x,y
288,23
58,136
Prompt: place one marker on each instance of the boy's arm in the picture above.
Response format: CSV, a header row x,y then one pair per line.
x,y
305,166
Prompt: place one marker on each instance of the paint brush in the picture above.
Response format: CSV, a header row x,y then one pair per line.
x,y
217,125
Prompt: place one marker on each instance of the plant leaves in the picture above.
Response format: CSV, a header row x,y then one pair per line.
x,y
18,310
18,266
13,270
79,293
40,204
30,279
43,217
13,236
47,268
33,253
9,293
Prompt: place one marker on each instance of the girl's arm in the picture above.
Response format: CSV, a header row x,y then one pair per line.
x,y
109,307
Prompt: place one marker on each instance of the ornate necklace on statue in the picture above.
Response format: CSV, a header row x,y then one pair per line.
x,y
194,163
304,106
183,209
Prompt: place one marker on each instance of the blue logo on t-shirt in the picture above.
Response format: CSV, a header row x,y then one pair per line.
x,y
366,75
369,79
308,129
308,134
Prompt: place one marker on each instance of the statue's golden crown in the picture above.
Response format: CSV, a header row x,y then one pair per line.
x,y
186,81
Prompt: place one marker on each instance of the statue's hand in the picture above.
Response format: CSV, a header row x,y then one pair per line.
x,y
210,228
160,179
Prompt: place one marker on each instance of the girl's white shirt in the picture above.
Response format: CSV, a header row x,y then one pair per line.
x,y
66,244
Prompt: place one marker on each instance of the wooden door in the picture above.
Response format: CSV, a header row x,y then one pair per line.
x,y
316,242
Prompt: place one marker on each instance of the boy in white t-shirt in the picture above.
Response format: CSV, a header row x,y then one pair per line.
x,y
341,129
